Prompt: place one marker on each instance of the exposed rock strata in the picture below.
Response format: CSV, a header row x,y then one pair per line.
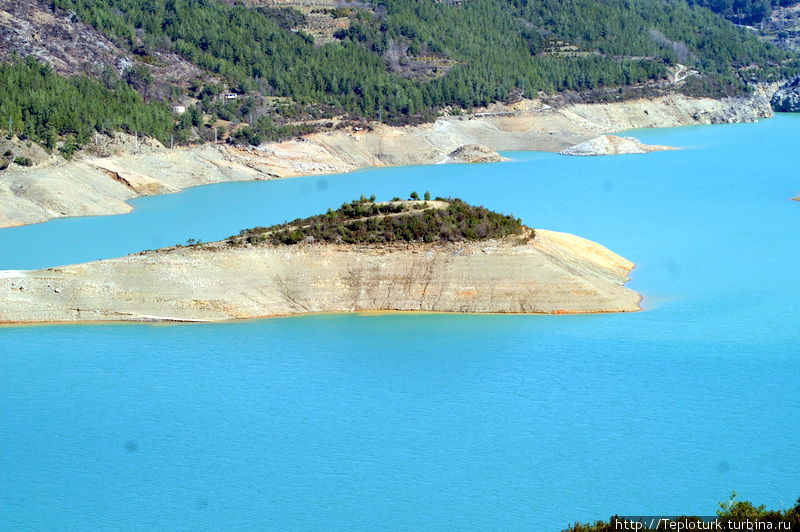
x,y
474,153
102,179
787,98
553,273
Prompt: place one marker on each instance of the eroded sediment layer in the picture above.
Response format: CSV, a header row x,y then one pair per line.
x,y
106,175
551,273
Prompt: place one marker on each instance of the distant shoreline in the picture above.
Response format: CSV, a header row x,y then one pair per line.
x,y
102,179
167,322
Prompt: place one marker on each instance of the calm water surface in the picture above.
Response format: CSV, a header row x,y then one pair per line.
x,y
433,422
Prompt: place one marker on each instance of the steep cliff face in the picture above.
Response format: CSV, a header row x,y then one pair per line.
x,y
787,98
552,273
115,170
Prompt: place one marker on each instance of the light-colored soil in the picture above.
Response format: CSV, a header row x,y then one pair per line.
x,y
612,145
553,273
105,176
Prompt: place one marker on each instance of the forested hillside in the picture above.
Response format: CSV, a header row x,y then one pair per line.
x,y
397,61
499,45
39,105
744,11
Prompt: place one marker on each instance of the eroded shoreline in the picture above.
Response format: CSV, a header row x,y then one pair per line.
x,y
553,273
102,180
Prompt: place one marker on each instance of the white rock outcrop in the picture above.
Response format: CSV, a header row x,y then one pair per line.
x,y
612,145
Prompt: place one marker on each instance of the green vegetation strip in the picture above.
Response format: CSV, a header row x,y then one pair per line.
x,y
364,221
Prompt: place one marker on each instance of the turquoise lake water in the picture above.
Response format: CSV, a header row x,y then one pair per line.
x,y
433,422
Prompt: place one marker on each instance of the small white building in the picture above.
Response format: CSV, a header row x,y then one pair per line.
x,y
228,95
178,109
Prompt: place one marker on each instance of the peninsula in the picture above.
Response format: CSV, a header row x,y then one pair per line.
x,y
442,255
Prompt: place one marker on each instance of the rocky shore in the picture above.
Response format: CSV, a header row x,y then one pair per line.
x,y
551,273
112,171
787,98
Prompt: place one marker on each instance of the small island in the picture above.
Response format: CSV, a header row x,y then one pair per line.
x,y
613,145
440,255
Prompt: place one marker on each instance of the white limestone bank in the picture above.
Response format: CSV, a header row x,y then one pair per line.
x,y
612,145
101,180
552,273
